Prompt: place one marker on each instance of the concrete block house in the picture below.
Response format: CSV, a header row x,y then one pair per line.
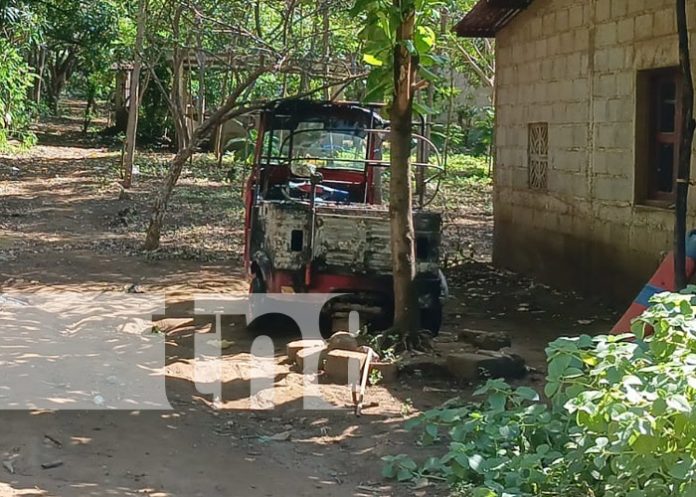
x,y
588,103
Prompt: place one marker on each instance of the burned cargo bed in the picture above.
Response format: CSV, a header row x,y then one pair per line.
x,y
351,239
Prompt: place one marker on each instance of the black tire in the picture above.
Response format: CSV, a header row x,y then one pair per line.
x,y
431,318
257,285
269,321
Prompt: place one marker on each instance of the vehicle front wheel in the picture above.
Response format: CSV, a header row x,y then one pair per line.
x,y
255,323
257,285
268,322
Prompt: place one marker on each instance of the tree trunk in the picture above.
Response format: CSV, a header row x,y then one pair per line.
x,y
406,315
200,58
40,64
91,93
159,208
326,43
225,112
134,107
178,94
685,148
60,73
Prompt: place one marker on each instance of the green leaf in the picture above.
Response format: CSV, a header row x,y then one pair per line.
x,y
497,401
527,393
404,475
681,469
558,366
372,60
483,492
551,388
476,463
432,431
645,444
679,403
424,39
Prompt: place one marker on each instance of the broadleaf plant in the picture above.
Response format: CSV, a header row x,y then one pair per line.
x,y
618,421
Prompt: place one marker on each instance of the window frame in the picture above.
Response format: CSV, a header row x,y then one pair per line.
x,y
650,138
538,160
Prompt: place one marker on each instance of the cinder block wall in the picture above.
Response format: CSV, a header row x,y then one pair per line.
x,y
574,65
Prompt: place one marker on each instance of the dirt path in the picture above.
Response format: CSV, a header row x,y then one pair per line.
x,y
63,227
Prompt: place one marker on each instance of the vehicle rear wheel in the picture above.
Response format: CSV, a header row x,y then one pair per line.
x,y
431,318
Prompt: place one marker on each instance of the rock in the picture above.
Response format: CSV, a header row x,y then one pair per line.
x,y
488,340
342,340
133,288
9,466
220,344
425,366
485,364
51,465
388,370
281,437
344,366
308,361
294,347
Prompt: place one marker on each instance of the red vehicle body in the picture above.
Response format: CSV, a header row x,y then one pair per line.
x,y
315,218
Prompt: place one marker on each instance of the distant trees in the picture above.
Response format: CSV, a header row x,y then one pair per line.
x,y
78,38
227,59
209,61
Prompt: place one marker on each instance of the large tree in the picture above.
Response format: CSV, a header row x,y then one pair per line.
x,y
398,45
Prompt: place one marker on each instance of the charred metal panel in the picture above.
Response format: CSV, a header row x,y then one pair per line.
x,y
277,222
357,239
354,240
350,239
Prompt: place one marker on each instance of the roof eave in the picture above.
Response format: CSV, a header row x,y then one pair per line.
x,y
488,17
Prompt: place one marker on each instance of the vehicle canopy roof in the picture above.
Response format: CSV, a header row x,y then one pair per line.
x,y
288,114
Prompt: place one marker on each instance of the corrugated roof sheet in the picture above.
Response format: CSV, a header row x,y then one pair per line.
x,y
487,17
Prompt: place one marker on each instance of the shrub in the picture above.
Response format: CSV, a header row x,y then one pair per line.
x,y
618,422
15,109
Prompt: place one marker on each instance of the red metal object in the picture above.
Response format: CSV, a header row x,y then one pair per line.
x,y
661,281
314,219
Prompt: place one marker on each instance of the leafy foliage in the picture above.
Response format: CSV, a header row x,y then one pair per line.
x,y
381,21
620,421
15,79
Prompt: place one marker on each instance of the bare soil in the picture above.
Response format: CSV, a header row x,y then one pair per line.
x,y
63,227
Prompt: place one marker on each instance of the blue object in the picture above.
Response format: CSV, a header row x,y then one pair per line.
x,y
324,193
691,244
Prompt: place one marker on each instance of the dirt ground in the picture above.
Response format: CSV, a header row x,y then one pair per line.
x,y
63,227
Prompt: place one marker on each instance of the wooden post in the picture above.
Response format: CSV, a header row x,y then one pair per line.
x,y
685,148
132,129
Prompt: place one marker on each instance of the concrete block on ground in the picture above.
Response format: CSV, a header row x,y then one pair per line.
x,y
488,340
388,370
485,364
294,347
308,361
344,366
